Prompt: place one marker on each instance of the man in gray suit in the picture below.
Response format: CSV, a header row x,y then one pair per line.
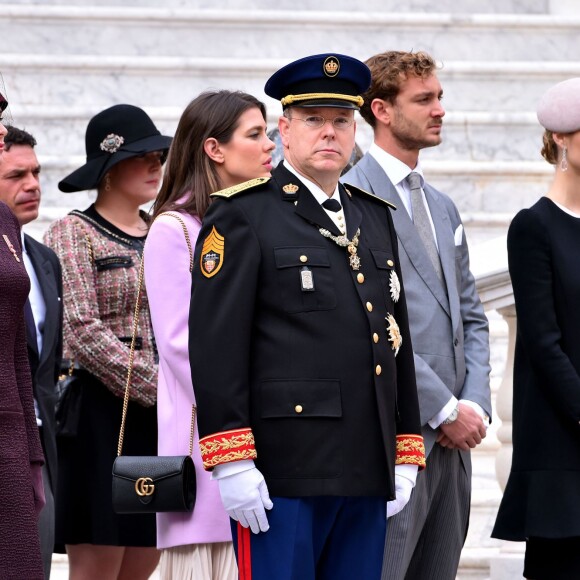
x,y
449,329
20,190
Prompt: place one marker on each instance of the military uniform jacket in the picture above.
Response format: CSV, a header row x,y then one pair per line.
x,y
305,380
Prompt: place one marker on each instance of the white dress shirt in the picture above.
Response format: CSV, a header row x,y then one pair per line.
x,y
38,306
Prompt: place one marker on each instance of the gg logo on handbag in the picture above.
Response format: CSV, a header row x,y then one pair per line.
x,y
144,486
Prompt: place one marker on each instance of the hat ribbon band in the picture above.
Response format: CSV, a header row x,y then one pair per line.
x,y
288,100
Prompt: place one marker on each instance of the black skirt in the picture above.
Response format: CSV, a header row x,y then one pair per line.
x,y
84,513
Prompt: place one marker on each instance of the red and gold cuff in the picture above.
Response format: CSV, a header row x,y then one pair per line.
x,y
227,446
410,451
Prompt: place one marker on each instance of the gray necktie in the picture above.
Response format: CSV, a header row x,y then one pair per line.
x,y
421,221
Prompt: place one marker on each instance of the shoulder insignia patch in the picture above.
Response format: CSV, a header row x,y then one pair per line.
x,y
212,254
348,186
231,191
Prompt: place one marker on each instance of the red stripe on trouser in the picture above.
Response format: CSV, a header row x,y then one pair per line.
x,y
244,553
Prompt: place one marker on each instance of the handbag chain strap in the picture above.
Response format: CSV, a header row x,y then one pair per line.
x,y
134,338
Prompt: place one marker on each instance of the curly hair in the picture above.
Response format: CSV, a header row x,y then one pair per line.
x,y
549,148
388,71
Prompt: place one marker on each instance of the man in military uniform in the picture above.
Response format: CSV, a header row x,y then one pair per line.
x,y
299,345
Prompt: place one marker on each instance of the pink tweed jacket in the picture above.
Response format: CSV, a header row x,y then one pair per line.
x,y
168,282
100,271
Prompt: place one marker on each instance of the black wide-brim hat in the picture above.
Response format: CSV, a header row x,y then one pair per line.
x,y
321,80
117,133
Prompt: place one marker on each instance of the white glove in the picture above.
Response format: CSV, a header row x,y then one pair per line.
x,y
403,488
245,497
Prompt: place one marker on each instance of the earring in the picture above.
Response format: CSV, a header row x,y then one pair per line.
x,y
107,182
564,162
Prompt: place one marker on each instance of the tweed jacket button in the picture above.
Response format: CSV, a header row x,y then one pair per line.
x,y
375,337
369,307
378,370
360,278
390,263
298,409
303,258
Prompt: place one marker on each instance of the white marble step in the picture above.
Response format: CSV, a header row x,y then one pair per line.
x,y
412,6
467,135
480,190
247,33
98,81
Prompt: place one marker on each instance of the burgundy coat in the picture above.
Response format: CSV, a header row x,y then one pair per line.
x,y
19,439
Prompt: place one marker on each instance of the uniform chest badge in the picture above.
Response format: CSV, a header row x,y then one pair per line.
x,y
394,286
212,254
290,188
394,333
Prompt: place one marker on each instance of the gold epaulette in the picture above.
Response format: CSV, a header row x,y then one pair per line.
x,y
368,194
231,191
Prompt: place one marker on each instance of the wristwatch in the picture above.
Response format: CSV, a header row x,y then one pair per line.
x,y
452,416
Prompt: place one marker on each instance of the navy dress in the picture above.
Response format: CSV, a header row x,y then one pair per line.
x,y
542,496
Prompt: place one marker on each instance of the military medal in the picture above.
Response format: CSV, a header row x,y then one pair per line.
x,y
344,242
394,286
394,333
11,247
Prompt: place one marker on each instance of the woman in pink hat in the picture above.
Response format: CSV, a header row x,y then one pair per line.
x,y
541,503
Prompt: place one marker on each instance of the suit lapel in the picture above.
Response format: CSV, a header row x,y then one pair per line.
x,y
406,232
446,245
47,281
352,215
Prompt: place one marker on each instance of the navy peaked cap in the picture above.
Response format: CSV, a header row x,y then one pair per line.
x,y
322,80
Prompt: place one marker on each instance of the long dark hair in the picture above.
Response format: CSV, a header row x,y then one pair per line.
x,y
189,170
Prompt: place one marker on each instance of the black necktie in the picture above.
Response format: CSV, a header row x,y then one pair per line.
x,y
30,324
331,205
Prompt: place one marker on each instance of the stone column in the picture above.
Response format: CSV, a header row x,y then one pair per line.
x,y
509,563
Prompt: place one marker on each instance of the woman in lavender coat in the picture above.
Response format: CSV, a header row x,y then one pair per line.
x,y
220,142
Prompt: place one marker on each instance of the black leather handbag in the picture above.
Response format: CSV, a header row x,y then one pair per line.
x,y
68,402
150,484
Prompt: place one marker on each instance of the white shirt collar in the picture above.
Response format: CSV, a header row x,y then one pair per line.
x,y
318,193
396,170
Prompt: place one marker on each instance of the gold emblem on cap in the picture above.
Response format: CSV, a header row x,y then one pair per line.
x,y
290,188
331,66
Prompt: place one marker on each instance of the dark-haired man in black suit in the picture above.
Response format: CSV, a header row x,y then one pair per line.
x,y
20,190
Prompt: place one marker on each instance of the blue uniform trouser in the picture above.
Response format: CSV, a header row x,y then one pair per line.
x,y
315,538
